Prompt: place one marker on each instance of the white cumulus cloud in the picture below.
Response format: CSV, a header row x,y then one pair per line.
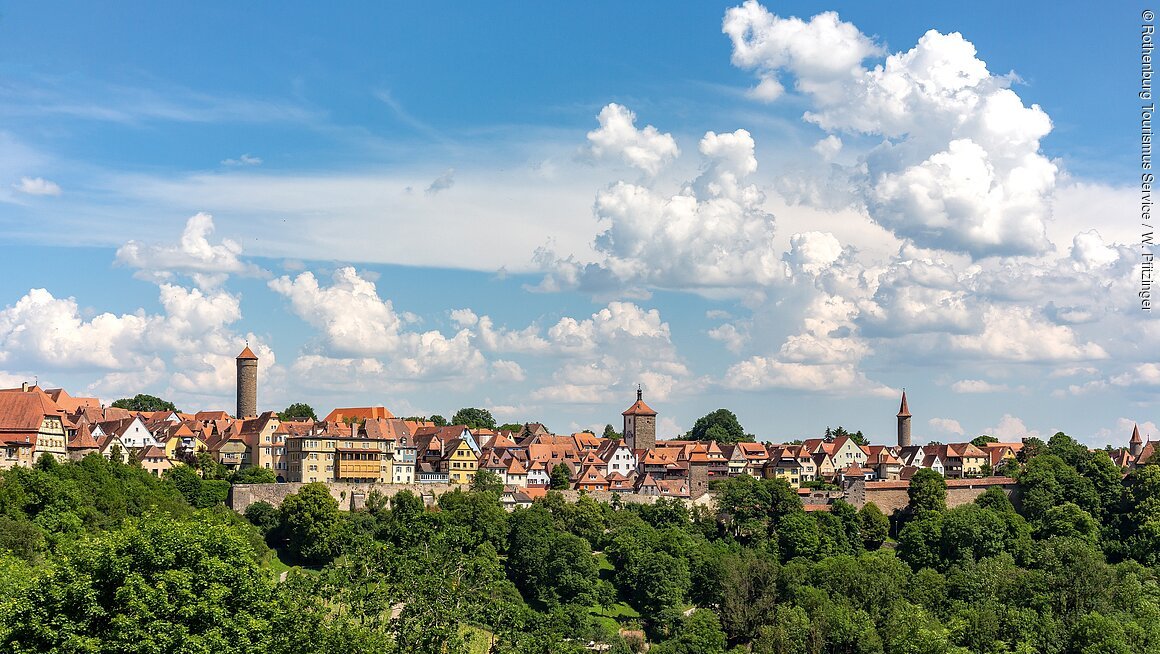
x,y
647,149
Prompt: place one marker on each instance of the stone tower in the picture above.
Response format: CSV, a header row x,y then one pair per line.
x,y
903,423
640,425
1136,445
247,384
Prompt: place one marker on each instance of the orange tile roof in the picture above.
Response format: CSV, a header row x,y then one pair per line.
x,y
358,413
247,354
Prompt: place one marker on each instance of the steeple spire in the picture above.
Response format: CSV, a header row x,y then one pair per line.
x,y
903,411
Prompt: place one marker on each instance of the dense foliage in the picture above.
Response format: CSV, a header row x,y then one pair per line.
x,y
143,402
721,426
102,557
474,418
297,411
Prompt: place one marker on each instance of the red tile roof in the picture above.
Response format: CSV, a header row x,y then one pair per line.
x,y
903,411
247,354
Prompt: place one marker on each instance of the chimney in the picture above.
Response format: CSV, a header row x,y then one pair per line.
x,y
353,428
24,387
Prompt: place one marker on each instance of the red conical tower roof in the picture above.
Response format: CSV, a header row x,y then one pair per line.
x,y
1136,435
247,354
903,411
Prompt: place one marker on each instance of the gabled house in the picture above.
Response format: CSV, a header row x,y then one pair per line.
x,y
591,479
783,464
131,432
460,461
882,460
617,457
538,474
154,461
515,474
30,425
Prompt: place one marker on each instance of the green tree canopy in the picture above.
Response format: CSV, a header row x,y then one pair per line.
x,y
311,523
728,429
560,477
486,481
982,440
298,410
927,493
473,418
841,431
199,579
143,402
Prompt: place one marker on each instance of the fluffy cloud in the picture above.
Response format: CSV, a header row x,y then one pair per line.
x,y
207,263
947,425
978,386
824,54
43,330
600,357
959,166
712,234
1011,429
646,149
37,186
764,373
353,321
1017,334
188,349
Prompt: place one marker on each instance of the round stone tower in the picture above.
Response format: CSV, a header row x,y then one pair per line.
x,y
247,384
903,423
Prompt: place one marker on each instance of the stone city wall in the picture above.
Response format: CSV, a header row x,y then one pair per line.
x,y
891,495
354,496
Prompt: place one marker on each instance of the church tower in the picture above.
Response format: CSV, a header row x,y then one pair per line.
x,y
903,423
640,425
247,384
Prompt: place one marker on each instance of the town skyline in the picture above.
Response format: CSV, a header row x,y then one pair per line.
x,y
425,216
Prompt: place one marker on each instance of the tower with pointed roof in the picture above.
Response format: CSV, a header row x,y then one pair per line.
x,y
247,384
640,425
903,423
1136,445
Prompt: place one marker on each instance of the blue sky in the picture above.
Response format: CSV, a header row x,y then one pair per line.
x,y
533,208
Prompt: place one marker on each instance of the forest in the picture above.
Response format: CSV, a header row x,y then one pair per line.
x,y
98,556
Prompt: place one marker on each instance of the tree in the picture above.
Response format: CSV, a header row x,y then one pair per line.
x,y
875,526
699,633
510,426
560,477
927,493
728,428
1069,520
439,420
473,418
611,433
841,431
143,402
486,481
262,515
298,410
797,535
253,475
198,578
311,523
981,441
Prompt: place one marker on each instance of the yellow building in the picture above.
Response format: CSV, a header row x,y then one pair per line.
x,y
462,461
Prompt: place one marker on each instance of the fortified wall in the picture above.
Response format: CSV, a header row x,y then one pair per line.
x,y
891,495
354,496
